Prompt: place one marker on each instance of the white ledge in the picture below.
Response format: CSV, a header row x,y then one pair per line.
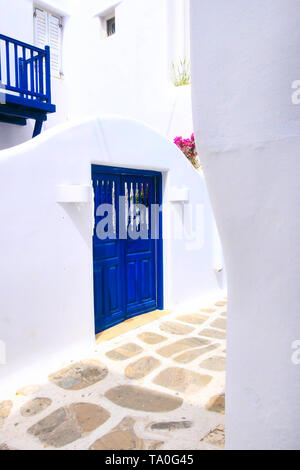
x,y
73,193
179,195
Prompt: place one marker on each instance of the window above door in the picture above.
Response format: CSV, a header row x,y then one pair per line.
x,y
111,26
108,23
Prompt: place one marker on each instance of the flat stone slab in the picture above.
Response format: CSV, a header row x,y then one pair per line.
x,y
80,375
182,345
5,447
222,303
175,328
68,424
193,319
216,437
89,416
208,310
189,356
220,323
211,333
58,429
5,409
171,426
215,363
141,368
151,338
29,390
35,406
119,440
124,352
217,404
123,437
142,399
182,380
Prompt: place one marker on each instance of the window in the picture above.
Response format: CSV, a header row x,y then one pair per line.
x,y
111,26
48,32
108,23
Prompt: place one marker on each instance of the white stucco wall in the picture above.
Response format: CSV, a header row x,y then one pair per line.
x,y
46,288
127,74
245,56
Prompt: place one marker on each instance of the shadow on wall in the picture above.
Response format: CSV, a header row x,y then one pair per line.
x,y
11,135
79,214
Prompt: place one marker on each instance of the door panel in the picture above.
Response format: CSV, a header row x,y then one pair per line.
x,y
146,287
126,271
108,288
140,190
132,276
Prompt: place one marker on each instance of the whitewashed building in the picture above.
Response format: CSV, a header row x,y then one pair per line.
x,y
59,285
107,57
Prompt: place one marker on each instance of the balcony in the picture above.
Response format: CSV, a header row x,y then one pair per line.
x,y
25,83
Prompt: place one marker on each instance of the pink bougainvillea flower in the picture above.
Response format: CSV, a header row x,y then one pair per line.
x,y
188,147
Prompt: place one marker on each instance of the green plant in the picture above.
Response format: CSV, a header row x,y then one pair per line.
x,y
181,73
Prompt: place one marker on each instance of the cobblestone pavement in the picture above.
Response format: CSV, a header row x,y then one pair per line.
x,y
160,386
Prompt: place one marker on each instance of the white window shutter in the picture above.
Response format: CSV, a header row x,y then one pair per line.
x,y
40,28
55,43
48,32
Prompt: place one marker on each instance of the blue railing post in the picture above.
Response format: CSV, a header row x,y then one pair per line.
x,y
48,74
23,82
7,63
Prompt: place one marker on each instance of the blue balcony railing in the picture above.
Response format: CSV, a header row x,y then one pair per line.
x,y
25,80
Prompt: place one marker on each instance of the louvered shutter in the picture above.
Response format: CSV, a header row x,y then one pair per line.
x,y
55,44
40,28
48,32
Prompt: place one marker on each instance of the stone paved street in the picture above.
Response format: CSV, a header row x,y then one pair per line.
x,y
159,386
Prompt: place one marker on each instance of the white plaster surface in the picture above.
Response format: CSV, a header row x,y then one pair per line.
x,y
245,56
46,293
128,74
194,408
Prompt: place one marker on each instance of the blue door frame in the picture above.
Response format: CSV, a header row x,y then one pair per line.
x,y
128,273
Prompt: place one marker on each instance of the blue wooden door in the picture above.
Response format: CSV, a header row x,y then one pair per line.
x,y
108,258
127,245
